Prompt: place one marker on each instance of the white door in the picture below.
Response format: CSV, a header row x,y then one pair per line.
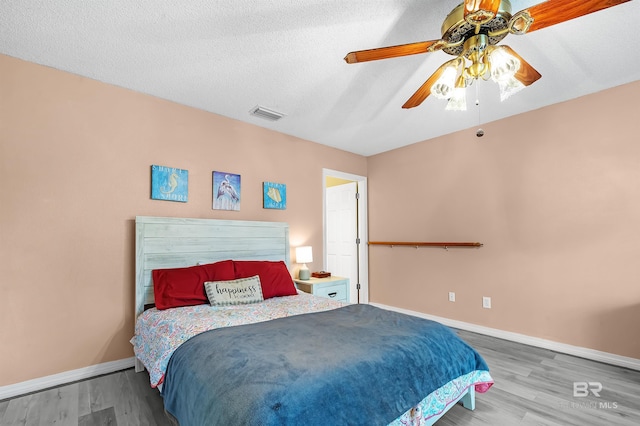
x,y
342,231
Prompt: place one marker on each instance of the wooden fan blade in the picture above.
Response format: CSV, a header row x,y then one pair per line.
x,y
554,12
480,11
425,90
389,52
526,74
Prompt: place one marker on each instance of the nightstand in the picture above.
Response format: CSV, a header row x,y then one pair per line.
x,y
336,288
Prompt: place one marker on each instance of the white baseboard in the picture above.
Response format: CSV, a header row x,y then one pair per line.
x,y
592,354
41,383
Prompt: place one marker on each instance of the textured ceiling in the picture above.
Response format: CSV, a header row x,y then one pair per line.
x,y
227,56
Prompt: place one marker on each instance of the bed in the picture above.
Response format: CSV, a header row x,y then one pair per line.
x,y
286,357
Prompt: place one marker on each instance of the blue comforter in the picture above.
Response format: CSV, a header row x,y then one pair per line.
x,y
358,365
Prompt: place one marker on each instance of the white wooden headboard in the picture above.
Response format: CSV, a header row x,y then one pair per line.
x,y
166,242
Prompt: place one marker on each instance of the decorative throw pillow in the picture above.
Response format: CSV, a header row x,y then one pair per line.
x,y
275,278
234,292
178,287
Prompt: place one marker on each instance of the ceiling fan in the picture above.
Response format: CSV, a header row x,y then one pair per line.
x,y
471,32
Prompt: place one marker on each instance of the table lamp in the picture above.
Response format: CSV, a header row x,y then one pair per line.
x,y
304,255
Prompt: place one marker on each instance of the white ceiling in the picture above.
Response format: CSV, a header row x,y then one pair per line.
x,y
227,56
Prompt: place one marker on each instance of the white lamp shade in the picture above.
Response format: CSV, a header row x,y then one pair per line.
x,y
304,254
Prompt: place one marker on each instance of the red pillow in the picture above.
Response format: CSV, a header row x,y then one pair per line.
x,y
185,286
219,271
274,276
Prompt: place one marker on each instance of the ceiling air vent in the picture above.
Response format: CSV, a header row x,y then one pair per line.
x,y
266,113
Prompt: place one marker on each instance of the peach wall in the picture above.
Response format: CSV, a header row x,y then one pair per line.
x,y
554,195
75,157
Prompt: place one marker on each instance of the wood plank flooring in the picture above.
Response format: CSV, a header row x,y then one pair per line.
x,y
533,387
117,399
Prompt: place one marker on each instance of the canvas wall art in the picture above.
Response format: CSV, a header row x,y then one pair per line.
x,y
169,184
226,191
274,195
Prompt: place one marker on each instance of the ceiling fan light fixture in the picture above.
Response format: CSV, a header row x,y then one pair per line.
x,y
503,65
508,87
458,100
444,86
471,32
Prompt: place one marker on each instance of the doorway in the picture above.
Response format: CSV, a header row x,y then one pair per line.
x,y
345,230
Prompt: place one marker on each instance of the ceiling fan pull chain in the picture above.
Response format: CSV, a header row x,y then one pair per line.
x,y
479,132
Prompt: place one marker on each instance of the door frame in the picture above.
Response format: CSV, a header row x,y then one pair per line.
x,y
363,248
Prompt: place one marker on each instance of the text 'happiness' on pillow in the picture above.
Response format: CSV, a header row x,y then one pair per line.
x,y
234,292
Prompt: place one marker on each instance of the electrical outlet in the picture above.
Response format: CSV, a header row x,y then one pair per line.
x,y
486,302
452,296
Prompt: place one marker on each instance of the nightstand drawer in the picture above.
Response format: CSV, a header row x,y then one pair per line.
x,y
336,292
334,288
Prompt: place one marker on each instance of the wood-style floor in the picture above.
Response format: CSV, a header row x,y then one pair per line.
x,y
533,387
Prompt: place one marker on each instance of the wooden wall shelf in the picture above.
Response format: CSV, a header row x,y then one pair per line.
x,y
424,244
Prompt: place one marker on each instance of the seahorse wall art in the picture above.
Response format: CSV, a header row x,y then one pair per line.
x,y
169,184
172,183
